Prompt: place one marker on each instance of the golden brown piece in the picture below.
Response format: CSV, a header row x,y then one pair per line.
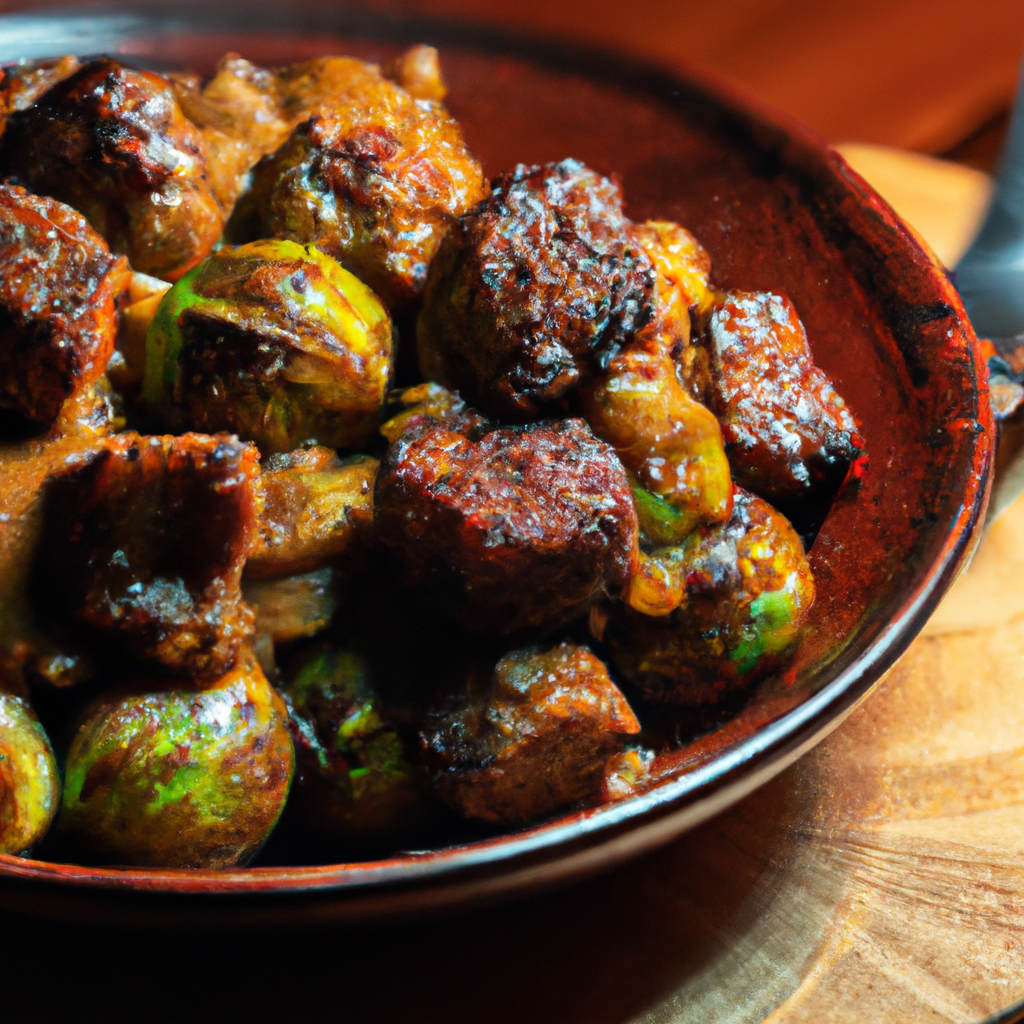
x,y
670,443
273,341
418,71
144,543
534,291
530,740
375,178
114,144
23,83
743,592
316,509
520,528
58,287
788,434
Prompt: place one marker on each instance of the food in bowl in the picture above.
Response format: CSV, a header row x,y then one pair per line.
x,y
343,484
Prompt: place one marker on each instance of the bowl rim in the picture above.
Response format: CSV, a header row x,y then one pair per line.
x,y
590,840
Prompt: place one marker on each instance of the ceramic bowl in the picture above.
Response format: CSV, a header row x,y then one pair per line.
x,y
777,209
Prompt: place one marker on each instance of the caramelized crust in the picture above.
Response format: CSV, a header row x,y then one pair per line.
x,y
789,436
58,286
144,541
114,144
521,528
23,83
532,739
535,290
375,178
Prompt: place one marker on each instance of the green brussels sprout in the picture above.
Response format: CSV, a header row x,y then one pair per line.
x,y
29,780
273,341
355,780
179,777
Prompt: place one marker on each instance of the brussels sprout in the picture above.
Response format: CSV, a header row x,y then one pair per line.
x,y
274,341
738,594
29,781
355,779
180,776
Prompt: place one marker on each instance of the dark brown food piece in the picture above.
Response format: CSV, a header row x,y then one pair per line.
x,y
144,542
535,290
746,590
356,780
375,178
23,83
521,528
114,144
788,434
316,509
58,288
532,739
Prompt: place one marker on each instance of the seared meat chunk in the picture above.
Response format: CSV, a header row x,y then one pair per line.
x,y
316,509
788,434
144,542
519,528
356,780
273,341
58,288
375,178
535,290
114,144
531,739
744,592
23,83
671,444
170,774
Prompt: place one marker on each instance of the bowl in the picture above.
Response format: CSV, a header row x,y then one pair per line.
x,y
777,209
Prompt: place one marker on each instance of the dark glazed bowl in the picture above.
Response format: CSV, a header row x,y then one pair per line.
x,y
778,210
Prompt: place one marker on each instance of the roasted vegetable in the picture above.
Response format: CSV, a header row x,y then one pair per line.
x,y
273,341
375,178
143,543
355,779
114,144
536,289
58,287
29,780
788,434
173,775
316,509
670,443
531,739
743,592
519,528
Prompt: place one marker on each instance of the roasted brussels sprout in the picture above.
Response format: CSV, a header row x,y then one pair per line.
x,y
179,776
745,591
520,528
114,144
671,445
143,543
375,179
273,341
429,405
788,434
534,290
316,508
29,780
355,780
531,739
58,288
